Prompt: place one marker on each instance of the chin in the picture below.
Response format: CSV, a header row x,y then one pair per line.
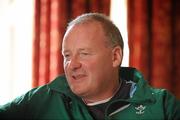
x,y
78,92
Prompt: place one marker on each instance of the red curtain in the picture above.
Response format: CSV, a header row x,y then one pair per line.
x,y
51,18
154,41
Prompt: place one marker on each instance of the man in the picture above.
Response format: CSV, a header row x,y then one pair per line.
x,y
94,85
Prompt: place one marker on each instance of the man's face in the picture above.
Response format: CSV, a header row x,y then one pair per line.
x,y
88,62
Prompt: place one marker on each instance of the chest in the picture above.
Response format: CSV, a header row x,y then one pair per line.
x,y
138,112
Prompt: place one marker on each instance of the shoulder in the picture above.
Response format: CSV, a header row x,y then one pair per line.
x,y
33,101
169,102
162,93
37,94
56,86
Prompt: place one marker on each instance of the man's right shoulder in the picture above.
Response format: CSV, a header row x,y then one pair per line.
x,y
54,85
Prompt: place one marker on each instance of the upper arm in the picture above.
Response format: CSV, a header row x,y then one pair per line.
x,y
14,109
172,107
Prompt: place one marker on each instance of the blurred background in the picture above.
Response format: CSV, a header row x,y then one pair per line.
x,y
31,34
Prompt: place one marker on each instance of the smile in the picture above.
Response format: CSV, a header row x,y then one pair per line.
x,y
78,76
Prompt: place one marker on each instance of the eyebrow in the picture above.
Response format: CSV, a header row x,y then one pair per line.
x,y
85,49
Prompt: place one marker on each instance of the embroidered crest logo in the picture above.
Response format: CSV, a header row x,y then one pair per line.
x,y
140,109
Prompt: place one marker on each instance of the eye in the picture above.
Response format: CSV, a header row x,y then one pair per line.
x,y
84,53
66,56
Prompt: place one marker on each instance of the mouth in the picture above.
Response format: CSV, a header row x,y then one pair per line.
x,y
78,76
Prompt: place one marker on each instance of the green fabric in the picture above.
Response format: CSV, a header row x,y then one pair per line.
x,y
56,101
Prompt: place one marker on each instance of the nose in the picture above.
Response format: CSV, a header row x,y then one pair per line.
x,y
74,63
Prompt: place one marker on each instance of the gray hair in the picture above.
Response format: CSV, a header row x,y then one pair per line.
x,y
111,31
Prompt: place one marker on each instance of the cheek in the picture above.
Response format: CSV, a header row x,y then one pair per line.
x,y
101,63
65,64
94,69
100,68
66,68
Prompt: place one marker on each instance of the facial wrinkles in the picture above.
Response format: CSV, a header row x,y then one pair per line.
x,y
78,74
73,43
73,66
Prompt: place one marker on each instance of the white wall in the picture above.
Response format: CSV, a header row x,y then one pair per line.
x,y
119,16
16,21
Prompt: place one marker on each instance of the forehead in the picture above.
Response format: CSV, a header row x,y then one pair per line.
x,y
85,34
85,28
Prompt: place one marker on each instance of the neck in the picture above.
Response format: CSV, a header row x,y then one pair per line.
x,y
91,102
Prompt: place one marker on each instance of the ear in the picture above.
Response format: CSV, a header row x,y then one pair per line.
x,y
117,55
